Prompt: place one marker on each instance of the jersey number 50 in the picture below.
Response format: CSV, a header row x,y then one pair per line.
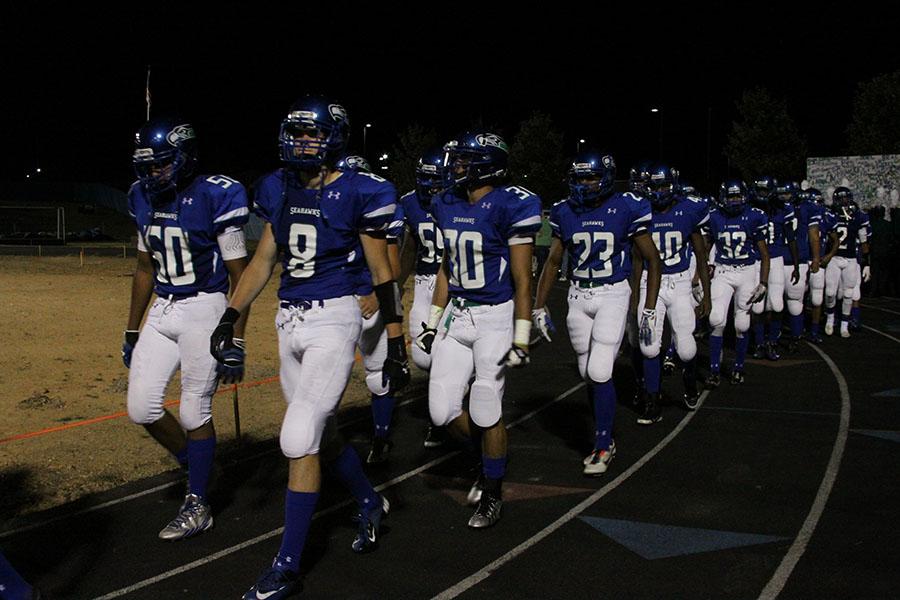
x,y
175,267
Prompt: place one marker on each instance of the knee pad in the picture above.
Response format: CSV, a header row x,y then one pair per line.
x,y
485,402
194,412
600,362
742,320
141,409
795,307
718,330
444,402
817,296
302,429
718,317
857,294
686,347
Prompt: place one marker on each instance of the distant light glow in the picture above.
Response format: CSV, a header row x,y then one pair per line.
x,y
654,110
368,124
580,141
38,169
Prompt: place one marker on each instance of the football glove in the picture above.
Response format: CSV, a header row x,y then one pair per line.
x,y
648,323
231,367
759,293
395,370
131,338
516,356
542,322
425,339
223,334
697,293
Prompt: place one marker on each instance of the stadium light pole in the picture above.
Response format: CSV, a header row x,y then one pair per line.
x,y
578,145
660,113
365,131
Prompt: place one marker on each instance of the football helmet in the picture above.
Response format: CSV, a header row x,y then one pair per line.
x,y
353,163
841,197
662,186
314,133
592,176
815,195
786,193
474,159
165,153
638,177
733,196
429,175
762,191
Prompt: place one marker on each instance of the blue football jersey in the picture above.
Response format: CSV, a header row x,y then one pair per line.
x,y
808,215
736,236
476,239
428,239
598,239
867,227
826,225
851,231
782,230
181,234
317,231
671,232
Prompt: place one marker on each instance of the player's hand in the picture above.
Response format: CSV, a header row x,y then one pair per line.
x,y
814,266
131,339
223,334
231,367
866,273
759,293
368,305
795,275
542,322
697,292
823,263
516,356
648,324
426,339
395,370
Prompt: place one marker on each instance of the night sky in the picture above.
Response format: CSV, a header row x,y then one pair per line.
x,y
74,82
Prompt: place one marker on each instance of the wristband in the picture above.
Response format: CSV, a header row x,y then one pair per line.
x,y
231,315
522,332
434,317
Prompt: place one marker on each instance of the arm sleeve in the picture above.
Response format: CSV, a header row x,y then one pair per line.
x,y
232,244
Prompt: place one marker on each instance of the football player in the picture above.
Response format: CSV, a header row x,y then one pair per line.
x,y
373,337
190,251
828,243
776,201
421,255
864,269
741,269
597,228
327,225
12,586
843,269
484,282
808,216
676,232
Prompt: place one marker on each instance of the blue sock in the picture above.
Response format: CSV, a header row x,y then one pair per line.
x,y
604,412
775,329
759,332
298,513
382,411
740,350
652,375
715,353
670,352
637,363
11,583
182,457
348,469
200,463
854,315
493,468
814,328
797,325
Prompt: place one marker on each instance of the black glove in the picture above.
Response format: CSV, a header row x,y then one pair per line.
x,y
223,335
425,339
131,338
395,371
231,368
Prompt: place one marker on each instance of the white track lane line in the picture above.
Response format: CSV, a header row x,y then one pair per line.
x,y
879,332
164,486
783,572
231,550
488,570
893,312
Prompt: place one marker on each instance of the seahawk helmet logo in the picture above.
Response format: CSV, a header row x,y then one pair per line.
x,y
734,190
357,162
337,112
490,139
430,169
180,134
608,161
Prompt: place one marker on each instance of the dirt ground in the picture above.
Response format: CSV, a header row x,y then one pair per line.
x,y
60,363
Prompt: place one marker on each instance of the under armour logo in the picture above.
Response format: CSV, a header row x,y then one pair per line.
x,y
486,205
334,195
678,213
611,211
188,201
